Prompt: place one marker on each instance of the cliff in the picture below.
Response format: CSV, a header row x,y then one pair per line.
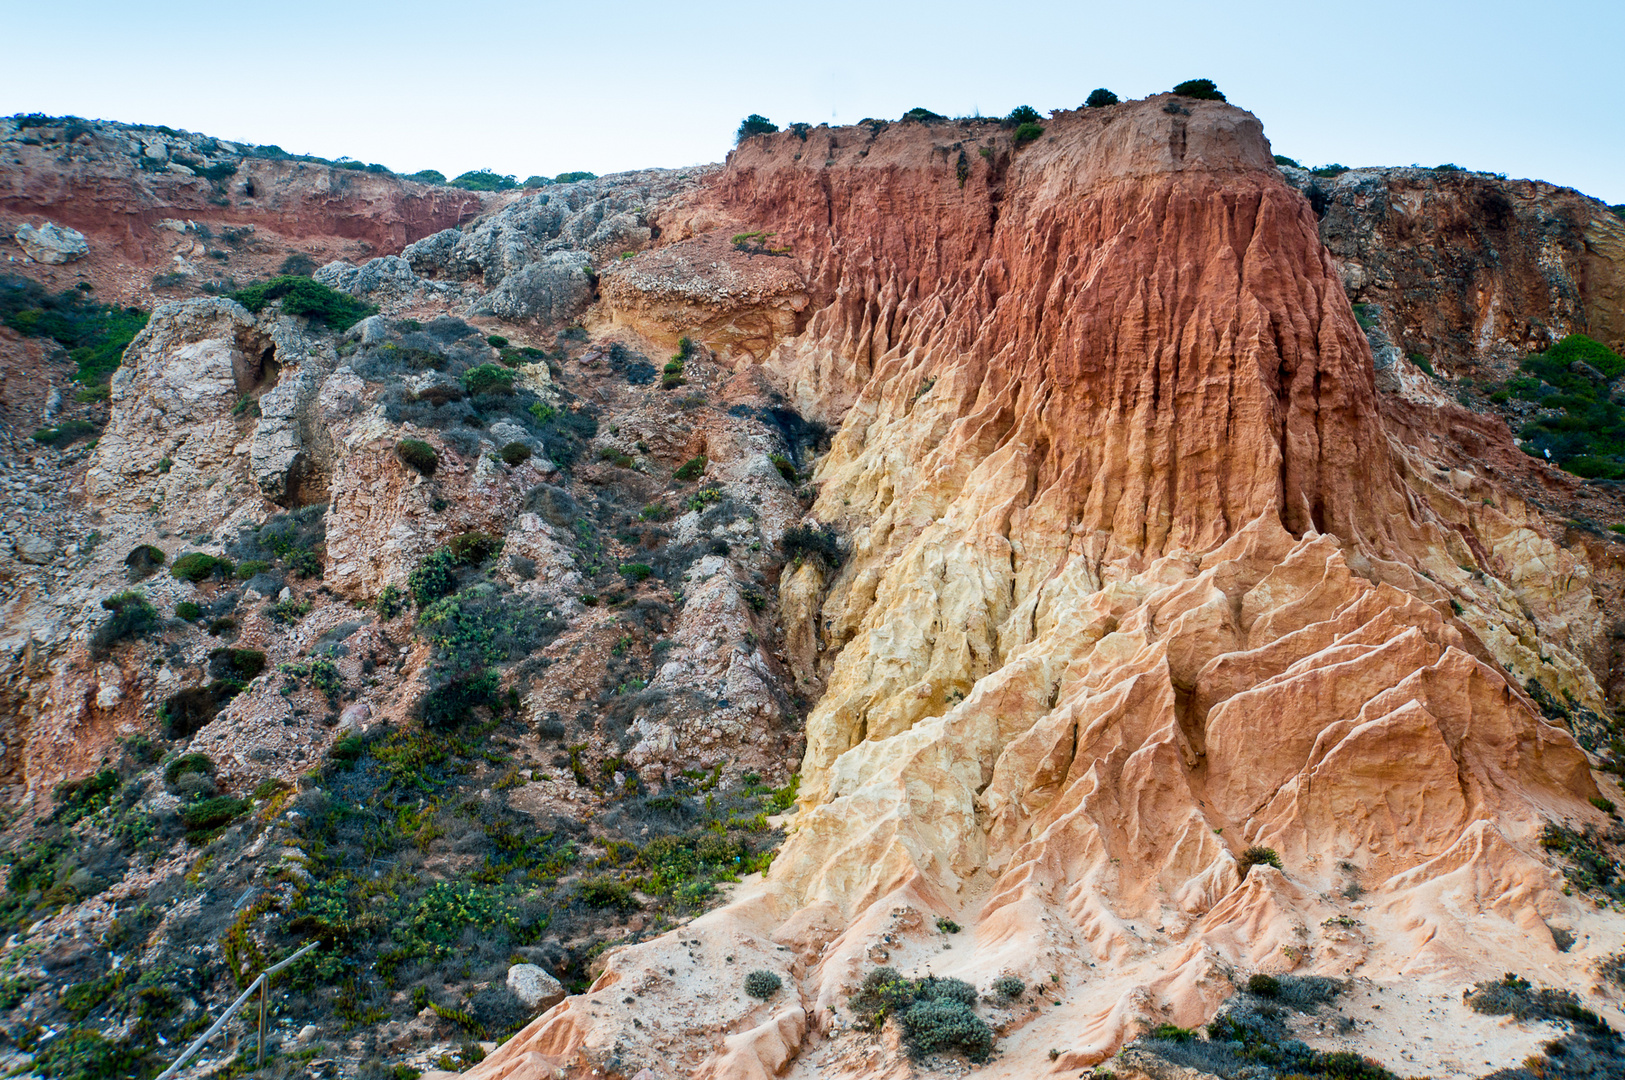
x,y
1134,583
911,549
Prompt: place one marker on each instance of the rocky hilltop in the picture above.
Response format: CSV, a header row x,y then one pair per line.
x,y
921,595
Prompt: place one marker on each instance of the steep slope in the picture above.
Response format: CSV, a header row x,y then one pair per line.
x,y
1133,582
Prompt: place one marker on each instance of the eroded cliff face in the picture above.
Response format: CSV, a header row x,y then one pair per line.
x,y
1136,580
1137,560
1472,271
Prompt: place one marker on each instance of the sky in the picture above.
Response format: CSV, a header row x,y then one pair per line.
x,y
1528,89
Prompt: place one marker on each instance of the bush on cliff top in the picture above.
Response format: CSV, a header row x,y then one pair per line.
x,y
754,124
1200,89
1099,98
484,180
307,297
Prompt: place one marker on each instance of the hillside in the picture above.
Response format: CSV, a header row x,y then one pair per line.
x,y
1019,598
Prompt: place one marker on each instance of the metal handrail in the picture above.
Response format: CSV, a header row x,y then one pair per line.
x,y
261,983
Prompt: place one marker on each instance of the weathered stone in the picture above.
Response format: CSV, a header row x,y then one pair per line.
x,y
535,987
35,549
51,243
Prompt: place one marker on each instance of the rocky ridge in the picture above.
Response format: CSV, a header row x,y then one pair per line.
x,y
1120,563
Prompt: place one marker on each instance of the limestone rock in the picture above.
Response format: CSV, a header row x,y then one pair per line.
x,y
35,549
51,243
535,987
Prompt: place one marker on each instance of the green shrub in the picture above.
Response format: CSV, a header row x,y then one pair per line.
x,y
1282,159
947,925
297,265
786,467
75,799
484,180
195,566
188,763
473,548
810,541
142,560
307,297
1099,98
690,469
1588,439
132,615
82,1054
1258,856
183,714
636,571
921,115
516,453
239,666
418,455
428,176
1603,804
188,610
754,124
94,334
939,1024
762,984
1425,364
574,177
213,813
497,341
488,379
1262,985
1009,986
449,704
1171,1033
1026,133
606,892
390,603
66,432
434,577
1022,114
1200,89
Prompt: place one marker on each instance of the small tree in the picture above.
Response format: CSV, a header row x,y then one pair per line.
x,y
754,124
1099,98
1022,114
1200,89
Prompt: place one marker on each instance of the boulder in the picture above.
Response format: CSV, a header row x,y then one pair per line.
x,y
535,987
35,550
52,243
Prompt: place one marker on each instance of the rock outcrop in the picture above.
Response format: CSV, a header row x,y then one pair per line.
x,y
1135,585
51,243
1468,269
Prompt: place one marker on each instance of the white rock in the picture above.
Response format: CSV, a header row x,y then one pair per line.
x,y
53,244
535,987
35,549
354,716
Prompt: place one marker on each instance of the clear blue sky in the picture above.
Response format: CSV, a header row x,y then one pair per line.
x,y
1528,89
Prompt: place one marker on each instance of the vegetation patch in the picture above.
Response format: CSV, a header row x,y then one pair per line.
x,y
307,297
1200,89
1587,437
132,615
418,455
95,334
821,543
196,566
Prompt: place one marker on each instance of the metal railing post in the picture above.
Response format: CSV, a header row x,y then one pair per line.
x,y
262,984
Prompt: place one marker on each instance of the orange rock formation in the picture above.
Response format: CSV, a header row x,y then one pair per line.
x,y
1136,581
